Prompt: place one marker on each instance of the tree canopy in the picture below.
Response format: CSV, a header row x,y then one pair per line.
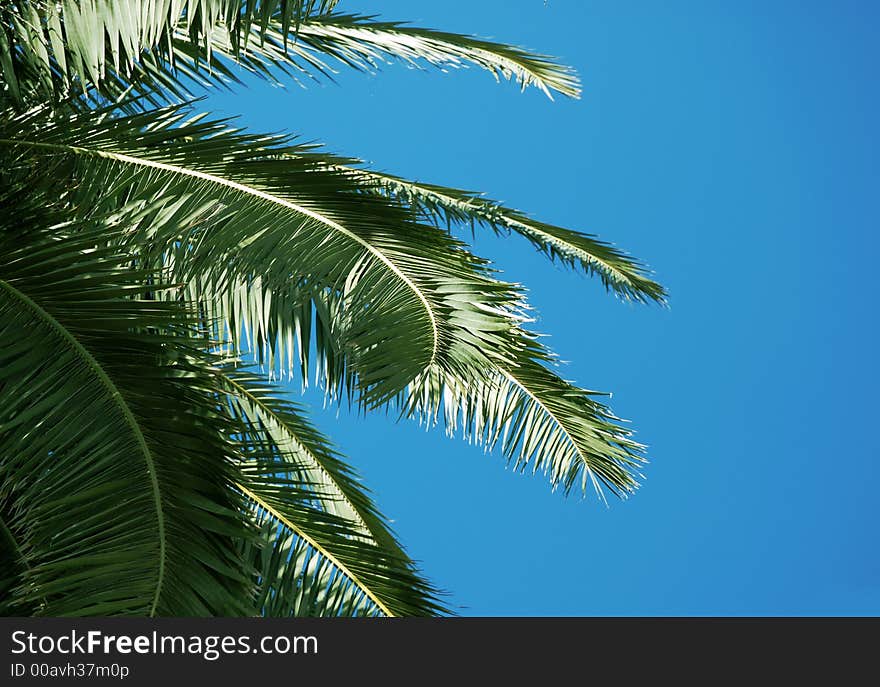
x,y
156,263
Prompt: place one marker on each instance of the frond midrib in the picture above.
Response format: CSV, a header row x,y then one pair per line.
x,y
317,545
268,410
263,195
500,215
131,421
513,379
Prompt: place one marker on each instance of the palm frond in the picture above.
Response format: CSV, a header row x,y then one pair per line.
x,y
363,42
413,297
166,48
286,315
538,420
444,206
115,476
297,581
524,408
336,489
308,504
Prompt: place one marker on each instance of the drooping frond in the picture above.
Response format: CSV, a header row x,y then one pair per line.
x,y
286,315
248,277
336,489
298,581
315,518
619,272
535,418
538,421
384,579
115,476
362,42
169,47
412,296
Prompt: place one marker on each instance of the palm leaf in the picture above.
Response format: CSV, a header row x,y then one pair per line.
x,y
618,271
297,581
169,47
575,440
121,502
336,489
302,494
537,420
413,297
363,42
523,407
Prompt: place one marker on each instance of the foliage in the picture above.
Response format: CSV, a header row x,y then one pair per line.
x,y
147,252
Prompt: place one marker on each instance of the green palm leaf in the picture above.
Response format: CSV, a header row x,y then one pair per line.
x,y
299,580
362,42
336,488
158,47
537,420
576,440
115,479
142,247
413,297
315,518
619,272
524,408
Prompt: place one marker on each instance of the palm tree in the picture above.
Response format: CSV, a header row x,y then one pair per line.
x,y
150,255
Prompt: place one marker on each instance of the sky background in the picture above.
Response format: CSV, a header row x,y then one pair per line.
x,y
733,147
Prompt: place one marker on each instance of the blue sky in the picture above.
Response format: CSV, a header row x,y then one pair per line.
x,y
732,146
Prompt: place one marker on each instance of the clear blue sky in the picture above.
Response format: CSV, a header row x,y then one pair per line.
x,y
734,147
